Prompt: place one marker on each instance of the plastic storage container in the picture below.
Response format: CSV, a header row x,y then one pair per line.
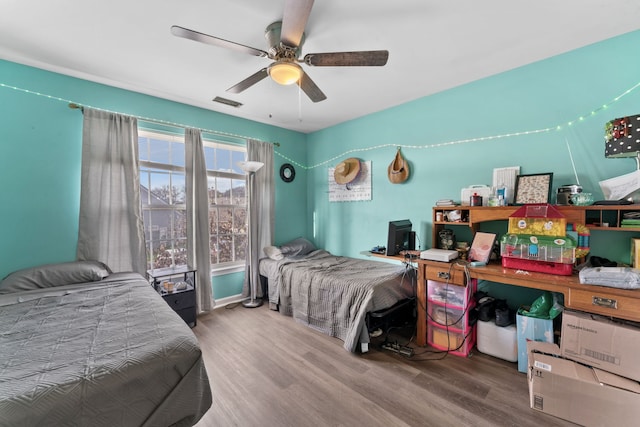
x,y
539,266
538,219
447,315
448,308
497,341
554,255
539,248
447,293
454,340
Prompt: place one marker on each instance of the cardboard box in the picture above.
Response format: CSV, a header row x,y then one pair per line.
x,y
635,252
600,342
531,329
577,393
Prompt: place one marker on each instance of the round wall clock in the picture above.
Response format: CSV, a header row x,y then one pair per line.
x,y
287,172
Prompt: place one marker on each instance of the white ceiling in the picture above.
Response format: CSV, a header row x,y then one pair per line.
x,y
433,45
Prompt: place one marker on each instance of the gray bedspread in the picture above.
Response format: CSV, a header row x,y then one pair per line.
x,y
333,294
107,353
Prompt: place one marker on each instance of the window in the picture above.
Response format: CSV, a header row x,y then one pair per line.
x,y
227,203
163,198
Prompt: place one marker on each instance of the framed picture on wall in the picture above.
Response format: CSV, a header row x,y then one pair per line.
x,y
535,188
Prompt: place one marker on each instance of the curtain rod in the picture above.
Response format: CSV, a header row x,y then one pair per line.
x,y
76,106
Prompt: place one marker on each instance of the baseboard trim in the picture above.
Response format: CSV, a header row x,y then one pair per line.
x,y
222,302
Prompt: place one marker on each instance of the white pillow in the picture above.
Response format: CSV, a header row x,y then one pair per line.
x,y
273,252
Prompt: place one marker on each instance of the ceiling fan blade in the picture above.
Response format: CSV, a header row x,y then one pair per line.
x,y
309,87
294,20
366,58
215,41
249,81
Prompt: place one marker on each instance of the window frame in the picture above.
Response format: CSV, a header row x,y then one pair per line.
x,y
229,266
216,268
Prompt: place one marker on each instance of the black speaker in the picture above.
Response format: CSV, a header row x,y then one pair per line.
x,y
412,241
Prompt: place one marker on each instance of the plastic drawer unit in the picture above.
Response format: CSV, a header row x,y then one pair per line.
x,y
448,307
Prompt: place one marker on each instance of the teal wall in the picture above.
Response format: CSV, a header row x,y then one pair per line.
x,y
542,95
40,144
546,94
40,155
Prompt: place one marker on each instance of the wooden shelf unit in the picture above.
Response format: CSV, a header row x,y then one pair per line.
x,y
592,216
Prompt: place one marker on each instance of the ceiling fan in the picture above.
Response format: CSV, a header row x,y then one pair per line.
x,y
285,39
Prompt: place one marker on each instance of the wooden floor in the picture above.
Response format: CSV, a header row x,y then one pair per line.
x,y
268,370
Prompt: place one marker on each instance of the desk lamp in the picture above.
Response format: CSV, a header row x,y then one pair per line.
x,y
250,168
622,140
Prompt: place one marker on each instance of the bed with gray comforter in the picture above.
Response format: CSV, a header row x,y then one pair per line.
x,y
333,294
105,352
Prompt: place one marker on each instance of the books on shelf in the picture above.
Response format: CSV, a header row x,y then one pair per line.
x,y
627,225
446,202
630,223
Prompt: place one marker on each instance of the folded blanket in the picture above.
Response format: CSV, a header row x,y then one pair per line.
x,y
614,277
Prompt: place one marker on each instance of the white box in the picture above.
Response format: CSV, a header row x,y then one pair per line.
x,y
444,255
480,190
497,341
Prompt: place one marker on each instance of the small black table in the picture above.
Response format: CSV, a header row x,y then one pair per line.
x,y
182,301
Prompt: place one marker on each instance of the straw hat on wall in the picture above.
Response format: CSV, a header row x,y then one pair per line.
x,y
347,171
398,170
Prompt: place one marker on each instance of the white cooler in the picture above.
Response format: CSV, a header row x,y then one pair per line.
x,y
497,341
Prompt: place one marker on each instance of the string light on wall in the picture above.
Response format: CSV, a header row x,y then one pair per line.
x,y
558,127
77,105
377,147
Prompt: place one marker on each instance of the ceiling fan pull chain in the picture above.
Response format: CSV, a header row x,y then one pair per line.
x,y
299,104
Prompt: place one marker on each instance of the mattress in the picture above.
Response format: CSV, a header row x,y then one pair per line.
x,y
106,353
333,294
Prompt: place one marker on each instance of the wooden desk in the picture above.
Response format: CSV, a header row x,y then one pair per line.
x,y
620,303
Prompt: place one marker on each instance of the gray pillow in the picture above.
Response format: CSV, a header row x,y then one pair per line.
x,y
50,275
299,246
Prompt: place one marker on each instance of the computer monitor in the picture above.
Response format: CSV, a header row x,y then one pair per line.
x,y
400,237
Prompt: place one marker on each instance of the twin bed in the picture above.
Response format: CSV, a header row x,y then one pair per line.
x,y
333,294
82,346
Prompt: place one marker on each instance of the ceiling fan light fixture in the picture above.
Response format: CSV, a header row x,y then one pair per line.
x,y
285,73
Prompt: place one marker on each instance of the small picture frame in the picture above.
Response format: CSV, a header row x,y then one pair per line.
x,y
534,188
482,246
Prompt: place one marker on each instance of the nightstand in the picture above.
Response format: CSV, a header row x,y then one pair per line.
x,y
182,301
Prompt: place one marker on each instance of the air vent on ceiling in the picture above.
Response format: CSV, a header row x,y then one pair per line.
x,y
226,101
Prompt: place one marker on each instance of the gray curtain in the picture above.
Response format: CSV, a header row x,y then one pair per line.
x,y
110,223
198,251
262,212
